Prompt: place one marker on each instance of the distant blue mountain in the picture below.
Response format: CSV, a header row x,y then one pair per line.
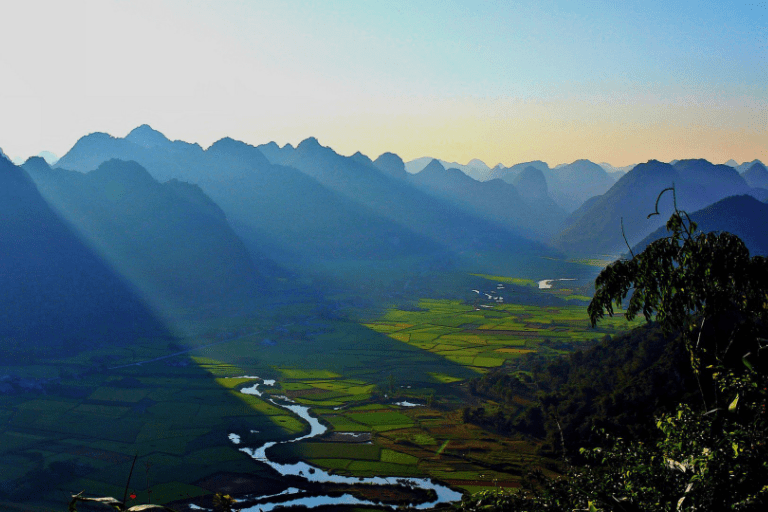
x,y
756,176
169,240
49,157
508,174
146,137
457,230
531,184
596,226
744,216
741,168
57,295
572,184
391,165
616,172
283,215
531,212
569,185
475,168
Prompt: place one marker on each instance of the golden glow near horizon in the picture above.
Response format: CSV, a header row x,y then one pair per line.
x,y
456,81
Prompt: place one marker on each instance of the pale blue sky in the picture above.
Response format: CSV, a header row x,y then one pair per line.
x,y
502,81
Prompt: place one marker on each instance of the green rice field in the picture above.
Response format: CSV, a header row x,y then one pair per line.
x,y
486,338
97,410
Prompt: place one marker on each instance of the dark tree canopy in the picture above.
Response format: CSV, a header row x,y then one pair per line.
x,y
706,287
705,284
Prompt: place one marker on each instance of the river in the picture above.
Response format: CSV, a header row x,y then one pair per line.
x,y
546,284
316,475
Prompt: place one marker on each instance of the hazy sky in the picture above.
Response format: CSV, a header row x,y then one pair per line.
x,y
615,81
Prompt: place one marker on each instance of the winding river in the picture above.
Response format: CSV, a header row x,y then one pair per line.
x,y
546,284
317,475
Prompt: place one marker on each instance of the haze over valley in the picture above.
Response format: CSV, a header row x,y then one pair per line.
x,y
136,255
348,256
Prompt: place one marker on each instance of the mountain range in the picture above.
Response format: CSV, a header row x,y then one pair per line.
x,y
524,206
596,226
744,216
58,294
569,185
170,240
305,205
307,208
741,168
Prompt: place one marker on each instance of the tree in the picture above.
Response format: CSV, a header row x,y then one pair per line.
x,y
715,457
703,284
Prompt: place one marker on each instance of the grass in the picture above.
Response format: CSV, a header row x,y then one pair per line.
x,y
232,382
365,468
309,450
457,331
379,419
398,457
301,374
508,280
176,413
444,379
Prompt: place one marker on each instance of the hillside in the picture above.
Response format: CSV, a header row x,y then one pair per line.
x,y
280,213
744,216
532,214
170,240
458,231
595,227
58,295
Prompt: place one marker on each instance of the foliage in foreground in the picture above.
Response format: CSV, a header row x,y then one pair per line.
x,y
713,457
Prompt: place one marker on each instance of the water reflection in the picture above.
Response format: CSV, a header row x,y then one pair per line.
x,y
317,475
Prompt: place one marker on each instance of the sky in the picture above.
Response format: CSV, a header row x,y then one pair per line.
x,y
502,81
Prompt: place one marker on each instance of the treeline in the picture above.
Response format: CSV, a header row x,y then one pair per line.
x,y
619,386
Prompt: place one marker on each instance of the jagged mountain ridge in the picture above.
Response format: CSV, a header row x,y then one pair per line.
x,y
402,203
756,176
383,215
744,216
537,216
58,295
281,213
170,240
596,226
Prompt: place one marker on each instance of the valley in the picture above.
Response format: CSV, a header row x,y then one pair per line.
x,y
373,256
386,339
389,387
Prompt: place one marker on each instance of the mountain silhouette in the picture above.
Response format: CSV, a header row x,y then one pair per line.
x,y
418,164
164,159
508,174
596,226
391,165
616,172
284,216
572,184
170,240
532,185
497,201
147,137
292,217
741,168
756,176
458,230
744,216
58,295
